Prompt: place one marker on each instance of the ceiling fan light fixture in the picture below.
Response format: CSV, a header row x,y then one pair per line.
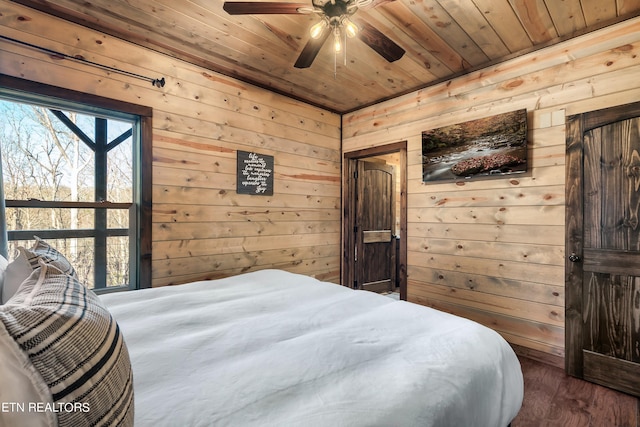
x,y
337,43
318,28
350,29
335,17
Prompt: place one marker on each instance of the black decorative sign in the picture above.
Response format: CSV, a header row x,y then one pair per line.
x,y
255,174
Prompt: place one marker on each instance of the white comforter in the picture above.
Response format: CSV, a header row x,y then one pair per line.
x,y
273,348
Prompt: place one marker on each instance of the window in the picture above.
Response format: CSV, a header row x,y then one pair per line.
x,y
72,174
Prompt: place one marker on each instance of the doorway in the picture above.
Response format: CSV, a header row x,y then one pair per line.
x,y
375,219
602,282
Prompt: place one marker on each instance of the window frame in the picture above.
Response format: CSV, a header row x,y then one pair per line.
x,y
39,93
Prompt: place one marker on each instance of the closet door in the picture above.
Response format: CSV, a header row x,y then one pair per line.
x,y
603,248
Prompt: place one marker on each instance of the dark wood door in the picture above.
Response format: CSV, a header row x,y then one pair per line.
x,y
603,248
374,226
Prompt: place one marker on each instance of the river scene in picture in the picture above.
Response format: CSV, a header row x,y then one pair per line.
x,y
493,146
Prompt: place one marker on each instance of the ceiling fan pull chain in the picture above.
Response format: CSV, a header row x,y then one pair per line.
x,y
345,48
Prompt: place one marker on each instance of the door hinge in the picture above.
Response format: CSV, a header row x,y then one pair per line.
x,y
355,174
355,284
355,228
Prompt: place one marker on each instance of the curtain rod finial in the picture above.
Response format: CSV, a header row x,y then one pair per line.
x,y
158,82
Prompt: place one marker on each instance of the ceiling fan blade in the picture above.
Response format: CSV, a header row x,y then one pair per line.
x,y
382,44
310,51
263,8
376,3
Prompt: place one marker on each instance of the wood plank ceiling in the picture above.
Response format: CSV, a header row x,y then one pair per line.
x,y
442,39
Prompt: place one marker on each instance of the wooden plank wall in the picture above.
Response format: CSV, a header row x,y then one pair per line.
x,y
201,227
493,250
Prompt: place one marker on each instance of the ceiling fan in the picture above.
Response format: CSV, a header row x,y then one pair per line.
x,y
335,20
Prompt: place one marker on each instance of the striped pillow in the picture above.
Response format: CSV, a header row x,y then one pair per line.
x,y
41,250
76,346
21,386
28,260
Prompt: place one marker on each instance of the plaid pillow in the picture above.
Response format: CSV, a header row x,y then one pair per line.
x,y
76,346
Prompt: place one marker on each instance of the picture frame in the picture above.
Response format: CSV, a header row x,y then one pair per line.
x,y
254,173
487,147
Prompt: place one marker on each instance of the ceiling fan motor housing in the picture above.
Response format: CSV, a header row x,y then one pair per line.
x,y
337,8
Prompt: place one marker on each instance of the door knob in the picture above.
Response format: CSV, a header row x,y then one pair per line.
x,y
574,257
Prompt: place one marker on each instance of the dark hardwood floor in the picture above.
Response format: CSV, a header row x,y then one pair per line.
x,y
552,398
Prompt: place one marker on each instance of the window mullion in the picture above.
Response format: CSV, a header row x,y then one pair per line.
x,y
4,240
100,241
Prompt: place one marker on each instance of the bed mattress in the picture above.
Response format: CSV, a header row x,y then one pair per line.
x,y
272,348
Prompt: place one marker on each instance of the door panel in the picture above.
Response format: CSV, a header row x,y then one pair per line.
x,y
375,219
603,273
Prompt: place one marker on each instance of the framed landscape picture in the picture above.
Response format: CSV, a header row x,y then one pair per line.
x,y
493,146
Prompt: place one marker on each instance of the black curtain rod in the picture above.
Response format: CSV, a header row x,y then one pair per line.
x,y
156,82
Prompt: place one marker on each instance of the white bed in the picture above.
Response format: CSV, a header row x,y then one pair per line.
x,y
272,348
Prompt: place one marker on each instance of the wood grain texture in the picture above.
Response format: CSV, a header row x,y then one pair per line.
x,y
612,372
442,39
494,250
551,398
375,264
602,296
461,238
201,228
